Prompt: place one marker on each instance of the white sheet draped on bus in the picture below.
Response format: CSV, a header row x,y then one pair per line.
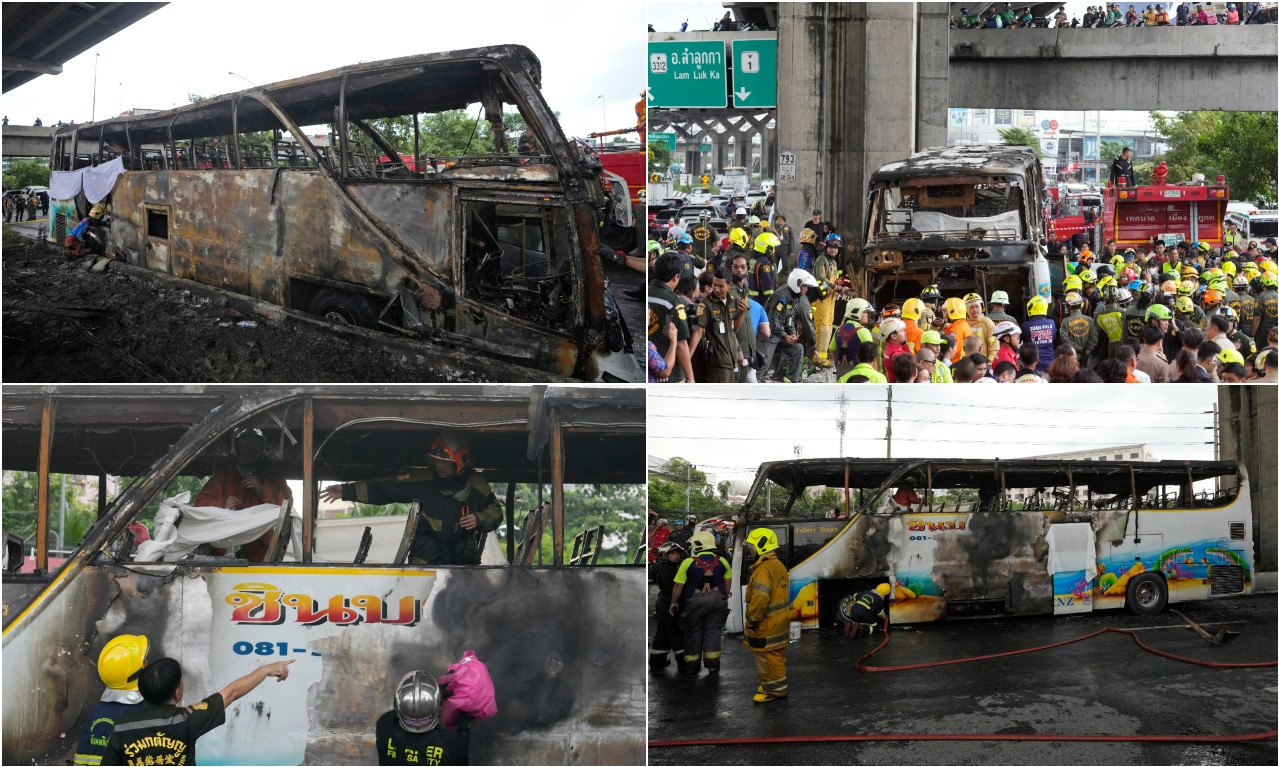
x,y
97,182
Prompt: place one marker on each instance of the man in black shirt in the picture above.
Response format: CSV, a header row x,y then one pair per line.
x,y
163,731
410,733
1122,168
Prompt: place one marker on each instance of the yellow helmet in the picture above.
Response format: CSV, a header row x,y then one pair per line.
x,y
1229,268
763,539
1087,277
1185,288
808,235
955,308
98,211
1105,282
738,237
1184,305
1037,306
973,298
1189,271
883,589
702,542
912,308
766,242
1072,283
123,657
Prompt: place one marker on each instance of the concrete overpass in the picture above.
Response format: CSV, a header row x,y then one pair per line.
x,y
863,84
26,140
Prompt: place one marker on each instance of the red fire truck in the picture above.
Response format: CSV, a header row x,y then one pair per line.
x,y
1194,211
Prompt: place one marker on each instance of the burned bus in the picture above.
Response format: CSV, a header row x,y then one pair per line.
x,y
560,631
965,218
991,537
296,194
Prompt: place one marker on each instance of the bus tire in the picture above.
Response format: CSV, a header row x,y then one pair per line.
x,y
343,308
1147,594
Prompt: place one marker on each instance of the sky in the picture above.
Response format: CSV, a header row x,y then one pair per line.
x,y
728,431
587,50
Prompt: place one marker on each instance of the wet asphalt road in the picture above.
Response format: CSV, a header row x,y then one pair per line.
x,y
1104,685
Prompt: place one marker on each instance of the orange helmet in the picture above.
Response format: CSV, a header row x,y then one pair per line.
x,y
450,447
1212,298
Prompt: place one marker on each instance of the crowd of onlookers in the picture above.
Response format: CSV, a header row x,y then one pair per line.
x,y
761,311
1113,15
20,206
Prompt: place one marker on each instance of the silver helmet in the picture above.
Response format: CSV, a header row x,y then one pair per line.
x,y
417,701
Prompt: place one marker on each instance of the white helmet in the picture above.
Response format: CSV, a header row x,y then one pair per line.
x,y
999,297
855,308
890,326
1006,327
798,276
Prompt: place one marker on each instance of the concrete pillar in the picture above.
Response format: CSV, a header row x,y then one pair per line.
x,y
1249,416
743,149
768,154
846,103
933,68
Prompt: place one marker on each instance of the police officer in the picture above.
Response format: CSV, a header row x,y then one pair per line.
x,y
410,732
664,307
163,731
785,244
863,612
718,319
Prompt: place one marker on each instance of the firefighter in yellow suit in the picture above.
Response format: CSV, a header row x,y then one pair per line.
x,y
768,615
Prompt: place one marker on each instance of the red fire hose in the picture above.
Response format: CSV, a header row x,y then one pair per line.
x,y
861,666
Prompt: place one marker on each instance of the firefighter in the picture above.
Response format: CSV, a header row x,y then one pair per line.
x,y
980,324
410,733
120,659
958,326
761,268
767,614
826,270
668,637
864,611
700,597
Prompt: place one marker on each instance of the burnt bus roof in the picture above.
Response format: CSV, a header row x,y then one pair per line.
x,y
362,432
429,82
973,160
1107,477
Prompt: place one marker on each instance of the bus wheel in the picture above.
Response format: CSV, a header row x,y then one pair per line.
x,y
343,308
1147,594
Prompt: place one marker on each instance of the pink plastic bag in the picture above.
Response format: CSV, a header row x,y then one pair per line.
x,y
472,690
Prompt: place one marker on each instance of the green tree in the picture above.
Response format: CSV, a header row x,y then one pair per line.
x,y
678,482
1241,146
26,173
1111,149
659,156
1019,137
20,501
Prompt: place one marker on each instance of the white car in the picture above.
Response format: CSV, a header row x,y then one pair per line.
x,y
699,196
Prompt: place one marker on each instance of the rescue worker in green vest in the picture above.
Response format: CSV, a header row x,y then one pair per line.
x,y
826,271
700,598
767,614
1232,236
863,612
932,341
867,354
664,307
1110,319
715,332
164,731
761,275
851,333
783,308
1079,331
704,238
118,663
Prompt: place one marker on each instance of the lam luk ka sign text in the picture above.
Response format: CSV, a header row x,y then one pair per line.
x,y
687,75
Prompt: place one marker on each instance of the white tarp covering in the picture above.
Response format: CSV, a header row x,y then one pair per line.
x,y
97,182
935,221
220,528
1072,547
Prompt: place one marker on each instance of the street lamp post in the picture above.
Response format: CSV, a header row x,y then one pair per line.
x,y
242,77
93,113
604,112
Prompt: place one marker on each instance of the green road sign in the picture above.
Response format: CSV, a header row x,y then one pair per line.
x,y
689,74
754,73
703,147
663,138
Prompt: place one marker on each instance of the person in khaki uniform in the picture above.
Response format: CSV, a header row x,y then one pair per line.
x,y
981,325
718,319
768,615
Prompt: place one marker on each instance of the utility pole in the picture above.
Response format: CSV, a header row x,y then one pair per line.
x,y
93,114
62,515
889,431
688,483
842,421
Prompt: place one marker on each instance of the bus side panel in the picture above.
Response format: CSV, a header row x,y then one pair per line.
x,y
565,648
1201,553
422,217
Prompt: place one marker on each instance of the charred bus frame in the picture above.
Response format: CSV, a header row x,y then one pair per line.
x,y
572,680
989,554
966,218
494,253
